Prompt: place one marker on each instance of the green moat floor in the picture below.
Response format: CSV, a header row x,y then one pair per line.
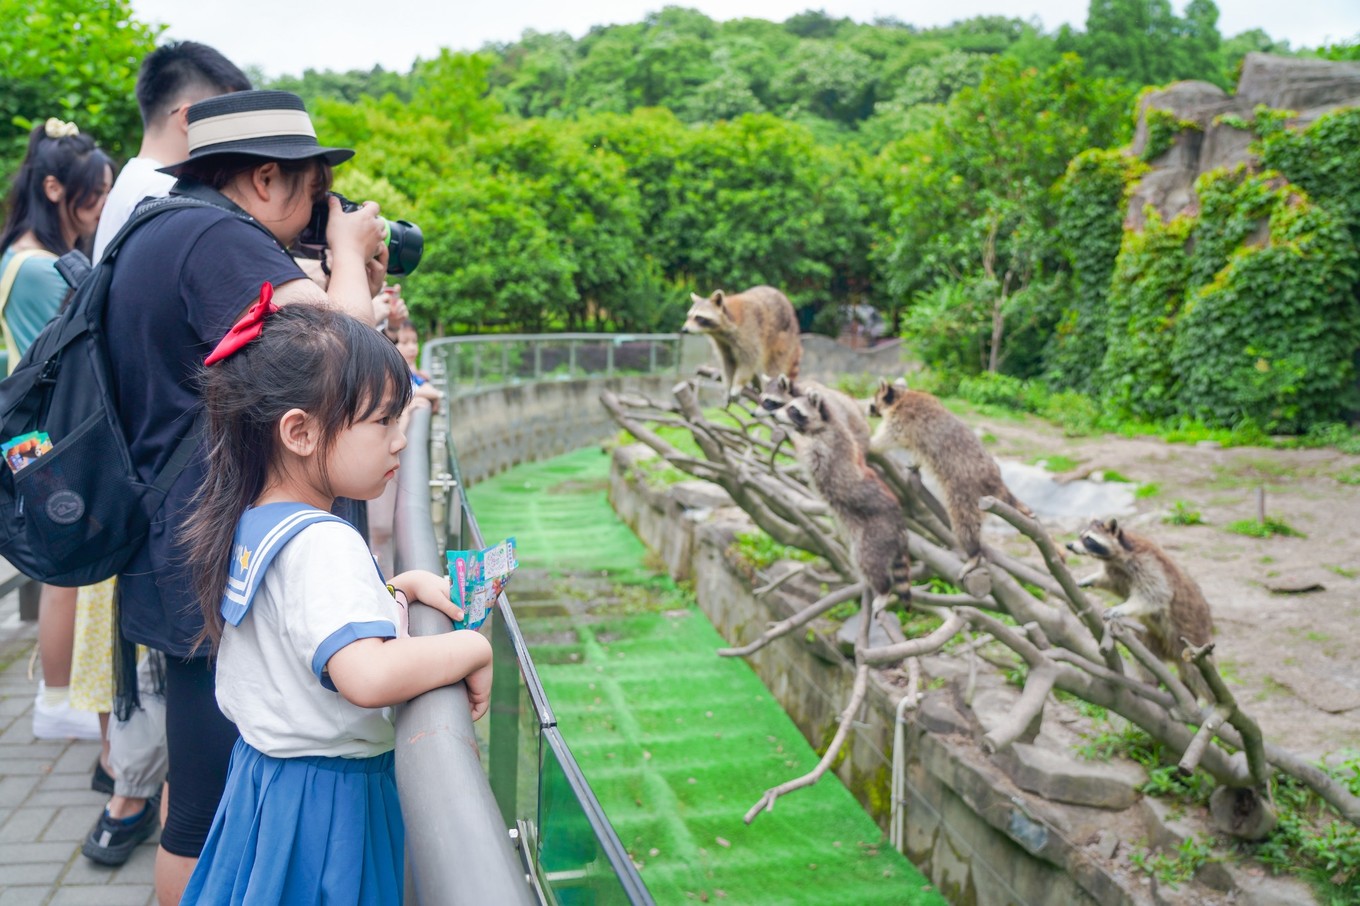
x,y
676,742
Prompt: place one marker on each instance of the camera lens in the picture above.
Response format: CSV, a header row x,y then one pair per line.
x,y
405,245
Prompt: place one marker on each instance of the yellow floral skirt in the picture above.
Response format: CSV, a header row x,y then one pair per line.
x,y
92,651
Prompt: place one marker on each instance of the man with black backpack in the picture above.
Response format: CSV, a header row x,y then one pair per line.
x,y
171,78
180,281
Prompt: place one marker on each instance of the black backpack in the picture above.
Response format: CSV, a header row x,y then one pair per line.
x,y
76,514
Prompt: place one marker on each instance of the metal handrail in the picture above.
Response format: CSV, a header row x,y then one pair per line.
x,y
454,837
459,850
526,365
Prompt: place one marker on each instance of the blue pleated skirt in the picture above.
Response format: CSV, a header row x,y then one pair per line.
x,y
303,830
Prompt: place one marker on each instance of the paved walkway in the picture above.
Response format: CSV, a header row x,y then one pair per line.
x,y
46,804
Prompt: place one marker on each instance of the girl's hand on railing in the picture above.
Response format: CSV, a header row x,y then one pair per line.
x,y
427,588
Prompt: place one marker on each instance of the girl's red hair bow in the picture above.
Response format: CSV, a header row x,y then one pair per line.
x,y
246,329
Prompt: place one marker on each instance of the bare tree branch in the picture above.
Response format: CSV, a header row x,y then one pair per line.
x,y
1038,684
891,654
801,618
1190,759
1253,745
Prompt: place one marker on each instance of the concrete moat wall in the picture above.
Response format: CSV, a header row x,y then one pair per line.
x,y
1033,825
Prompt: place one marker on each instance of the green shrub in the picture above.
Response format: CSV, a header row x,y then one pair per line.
x,y
1181,514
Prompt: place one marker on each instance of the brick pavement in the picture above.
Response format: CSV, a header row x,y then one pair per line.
x,y
46,804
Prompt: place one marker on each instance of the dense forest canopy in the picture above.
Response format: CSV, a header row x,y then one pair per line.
x,y
967,180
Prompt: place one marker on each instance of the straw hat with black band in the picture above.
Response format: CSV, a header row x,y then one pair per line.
x,y
270,125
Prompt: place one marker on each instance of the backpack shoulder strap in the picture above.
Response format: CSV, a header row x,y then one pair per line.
x,y
260,534
7,281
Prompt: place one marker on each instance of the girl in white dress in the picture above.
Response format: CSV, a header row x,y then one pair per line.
x,y
303,405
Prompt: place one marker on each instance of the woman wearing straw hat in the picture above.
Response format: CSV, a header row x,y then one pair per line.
x,y
180,282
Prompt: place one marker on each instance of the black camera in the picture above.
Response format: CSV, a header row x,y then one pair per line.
x,y
405,242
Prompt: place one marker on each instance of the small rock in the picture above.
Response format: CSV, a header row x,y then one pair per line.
x,y
937,715
1107,844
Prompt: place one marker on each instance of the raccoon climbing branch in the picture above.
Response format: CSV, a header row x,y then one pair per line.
x,y
1053,559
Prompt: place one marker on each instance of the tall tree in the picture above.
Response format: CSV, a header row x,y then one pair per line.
x,y
73,59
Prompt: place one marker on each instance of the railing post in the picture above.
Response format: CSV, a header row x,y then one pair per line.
x,y
571,358
538,359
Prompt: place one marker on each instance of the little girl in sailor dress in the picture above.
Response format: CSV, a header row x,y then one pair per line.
x,y
303,406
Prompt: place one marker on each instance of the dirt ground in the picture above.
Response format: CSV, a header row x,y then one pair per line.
x,y
1286,609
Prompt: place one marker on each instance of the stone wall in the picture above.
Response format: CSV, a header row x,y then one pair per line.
x,y
1031,826
1308,87
499,427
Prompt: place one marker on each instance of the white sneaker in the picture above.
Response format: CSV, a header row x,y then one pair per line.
x,y
62,721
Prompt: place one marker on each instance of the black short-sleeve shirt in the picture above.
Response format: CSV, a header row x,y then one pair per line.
x,y
180,282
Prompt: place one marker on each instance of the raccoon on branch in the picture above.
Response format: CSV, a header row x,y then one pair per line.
x,y
869,511
947,450
755,334
1153,590
780,390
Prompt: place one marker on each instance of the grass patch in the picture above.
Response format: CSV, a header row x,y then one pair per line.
x,y
1146,490
1173,868
760,550
1348,476
1182,514
1272,526
1056,462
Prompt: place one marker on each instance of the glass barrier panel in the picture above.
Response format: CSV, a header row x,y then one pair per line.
x,y
579,857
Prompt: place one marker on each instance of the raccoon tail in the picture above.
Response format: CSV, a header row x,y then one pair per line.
x,y
901,578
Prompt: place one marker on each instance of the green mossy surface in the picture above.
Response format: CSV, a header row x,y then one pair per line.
x,y
676,742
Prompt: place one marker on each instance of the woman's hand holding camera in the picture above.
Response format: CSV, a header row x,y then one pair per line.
x,y
358,251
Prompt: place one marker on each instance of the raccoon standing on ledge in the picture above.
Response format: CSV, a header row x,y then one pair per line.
x,y
779,391
863,504
1154,590
754,332
947,449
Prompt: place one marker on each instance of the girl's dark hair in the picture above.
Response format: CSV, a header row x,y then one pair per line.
x,y
333,367
77,164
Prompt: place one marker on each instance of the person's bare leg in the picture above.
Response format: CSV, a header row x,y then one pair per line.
x,y
172,871
124,807
56,634
172,876
104,742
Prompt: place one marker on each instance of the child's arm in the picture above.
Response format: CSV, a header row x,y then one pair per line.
x,y
375,673
430,393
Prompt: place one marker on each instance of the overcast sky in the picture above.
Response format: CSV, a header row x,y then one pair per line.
x,y
284,37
